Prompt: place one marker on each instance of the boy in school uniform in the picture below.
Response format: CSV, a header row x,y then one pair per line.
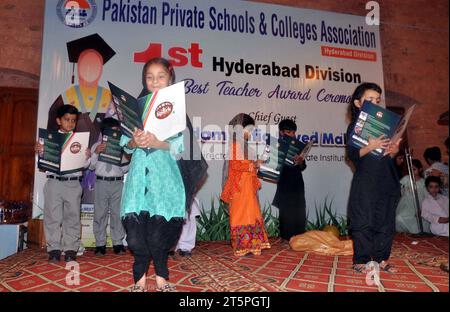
x,y
107,197
62,199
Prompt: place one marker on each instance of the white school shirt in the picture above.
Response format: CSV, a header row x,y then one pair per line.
x,y
432,210
100,166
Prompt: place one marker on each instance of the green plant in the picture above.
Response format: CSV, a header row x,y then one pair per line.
x,y
326,216
271,223
215,225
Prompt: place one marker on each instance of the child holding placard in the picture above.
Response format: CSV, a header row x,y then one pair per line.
x,y
290,195
375,191
153,201
108,194
62,199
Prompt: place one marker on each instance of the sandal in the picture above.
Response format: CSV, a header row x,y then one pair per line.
x,y
166,288
137,288
386,267
360,268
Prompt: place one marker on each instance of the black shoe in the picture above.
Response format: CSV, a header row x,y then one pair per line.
x,y
70,255
184,253
100,250
54,256
119,249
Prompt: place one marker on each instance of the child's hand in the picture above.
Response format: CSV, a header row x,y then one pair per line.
x,y
88,153
254,165
137,140
148,140
145,139
376,143
258,163
100,148
39,148
298,160
393,148
152,140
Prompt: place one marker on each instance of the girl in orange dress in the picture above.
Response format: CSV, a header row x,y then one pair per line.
x,y
248,234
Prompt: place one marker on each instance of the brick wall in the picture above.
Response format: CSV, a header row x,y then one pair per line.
x,y
414,37
21,26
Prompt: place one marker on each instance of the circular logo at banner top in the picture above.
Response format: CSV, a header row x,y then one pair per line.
x,y
76,13
75,147
164,110
379,114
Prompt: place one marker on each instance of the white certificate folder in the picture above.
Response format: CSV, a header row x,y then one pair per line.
x,y
165,111
63,152
162,113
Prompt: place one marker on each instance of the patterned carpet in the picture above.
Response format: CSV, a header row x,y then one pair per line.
x,y
213,268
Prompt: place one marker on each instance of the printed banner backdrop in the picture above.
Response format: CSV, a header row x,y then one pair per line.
x,y
272,62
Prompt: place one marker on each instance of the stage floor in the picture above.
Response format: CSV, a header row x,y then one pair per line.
x,y
213,268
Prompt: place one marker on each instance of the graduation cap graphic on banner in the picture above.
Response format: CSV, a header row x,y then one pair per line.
x,y
95,42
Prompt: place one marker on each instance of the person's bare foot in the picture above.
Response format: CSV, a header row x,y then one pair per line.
x,y
139,286
162,285
360,268
385,266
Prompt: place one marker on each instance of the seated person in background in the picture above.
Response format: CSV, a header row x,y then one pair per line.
x,y
435,207
406,214
437,168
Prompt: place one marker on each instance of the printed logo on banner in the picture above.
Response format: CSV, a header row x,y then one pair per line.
x,y
76,13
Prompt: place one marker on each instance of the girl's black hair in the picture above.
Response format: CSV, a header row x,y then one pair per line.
x,y
357,95
243,120
418,164
161,61
432,179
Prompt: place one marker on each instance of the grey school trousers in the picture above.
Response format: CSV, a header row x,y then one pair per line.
x,y
62,204
108,195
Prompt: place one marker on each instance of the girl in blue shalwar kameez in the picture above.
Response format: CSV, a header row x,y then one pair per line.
x,y
153,201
